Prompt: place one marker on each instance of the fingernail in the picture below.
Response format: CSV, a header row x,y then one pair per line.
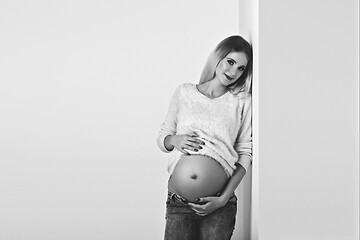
x,y
195,150
200,147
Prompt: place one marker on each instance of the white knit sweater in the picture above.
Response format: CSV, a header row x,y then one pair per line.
x,y
223,123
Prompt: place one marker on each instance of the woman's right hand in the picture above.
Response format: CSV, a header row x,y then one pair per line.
x,y
187,141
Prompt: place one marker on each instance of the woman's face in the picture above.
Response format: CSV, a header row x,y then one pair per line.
x,y
230,68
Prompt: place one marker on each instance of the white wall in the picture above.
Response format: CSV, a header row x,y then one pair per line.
x,y
308,108
84,86
247,191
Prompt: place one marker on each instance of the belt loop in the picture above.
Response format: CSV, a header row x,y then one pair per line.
x,y
171,195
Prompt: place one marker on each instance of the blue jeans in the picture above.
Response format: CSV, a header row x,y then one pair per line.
x,y
183,223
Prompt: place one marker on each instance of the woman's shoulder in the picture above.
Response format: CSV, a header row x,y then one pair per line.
x,y
243,100
184,87
243,96
187,85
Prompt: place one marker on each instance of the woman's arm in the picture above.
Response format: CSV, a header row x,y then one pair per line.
x,y
168,126
168,139
233,183
243,143
168,142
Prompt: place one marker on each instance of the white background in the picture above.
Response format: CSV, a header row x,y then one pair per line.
x,y
84,87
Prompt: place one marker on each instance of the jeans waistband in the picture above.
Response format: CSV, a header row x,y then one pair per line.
x,y
177,197
172,195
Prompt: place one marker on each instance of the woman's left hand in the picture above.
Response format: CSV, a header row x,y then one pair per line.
x,y
207,206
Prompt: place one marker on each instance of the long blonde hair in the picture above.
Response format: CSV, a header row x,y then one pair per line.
x,y
231,44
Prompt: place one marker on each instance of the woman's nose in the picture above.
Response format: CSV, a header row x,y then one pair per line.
x,y
233,71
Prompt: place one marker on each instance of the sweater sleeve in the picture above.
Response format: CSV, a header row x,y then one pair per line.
x,y
243,144
168,127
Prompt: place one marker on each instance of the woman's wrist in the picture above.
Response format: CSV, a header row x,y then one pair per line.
x,y
168,142
224,198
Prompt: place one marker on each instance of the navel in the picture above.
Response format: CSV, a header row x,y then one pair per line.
x,y
193,176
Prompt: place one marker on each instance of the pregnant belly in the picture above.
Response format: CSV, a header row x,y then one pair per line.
x,y
197,176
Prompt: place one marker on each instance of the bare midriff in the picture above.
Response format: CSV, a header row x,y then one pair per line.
x,y
197,176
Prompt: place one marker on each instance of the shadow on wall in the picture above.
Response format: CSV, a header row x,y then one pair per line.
x,y
243,217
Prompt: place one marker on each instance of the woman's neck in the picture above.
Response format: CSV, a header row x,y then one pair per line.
x,y
213,89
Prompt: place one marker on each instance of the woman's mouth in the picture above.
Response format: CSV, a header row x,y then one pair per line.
x,y
228,77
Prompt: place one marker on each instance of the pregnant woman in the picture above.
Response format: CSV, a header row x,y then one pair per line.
x,y
207,135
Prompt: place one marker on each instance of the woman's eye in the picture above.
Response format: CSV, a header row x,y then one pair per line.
x,y
242,69
230,62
